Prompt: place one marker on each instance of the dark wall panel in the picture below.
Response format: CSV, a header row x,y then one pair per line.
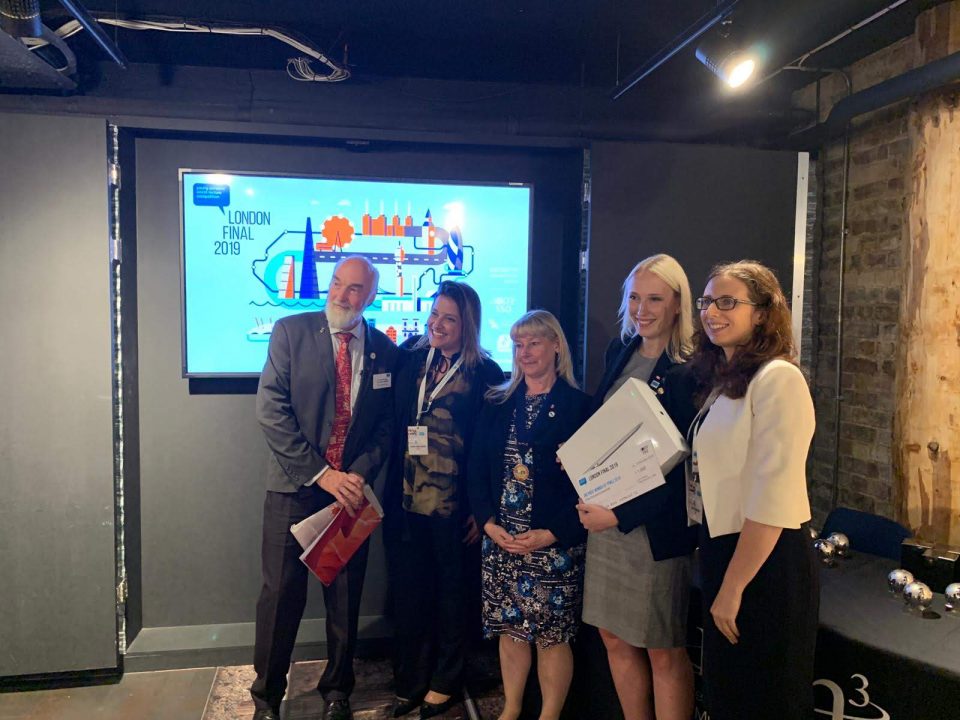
x,y
203,459
57,568
699,203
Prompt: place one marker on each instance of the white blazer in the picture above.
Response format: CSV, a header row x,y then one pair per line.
x,y
752,453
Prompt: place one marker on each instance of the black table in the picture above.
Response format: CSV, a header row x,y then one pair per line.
x,y
876,659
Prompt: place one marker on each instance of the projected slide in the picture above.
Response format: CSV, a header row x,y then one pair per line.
x,y
257,248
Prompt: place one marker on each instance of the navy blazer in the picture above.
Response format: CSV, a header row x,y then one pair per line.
x,y
663,511
295,403
554,499
406,389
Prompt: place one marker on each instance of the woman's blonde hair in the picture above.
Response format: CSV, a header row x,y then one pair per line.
x,y
538,323
667,269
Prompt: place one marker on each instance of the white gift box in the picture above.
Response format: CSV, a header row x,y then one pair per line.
x,y
632,416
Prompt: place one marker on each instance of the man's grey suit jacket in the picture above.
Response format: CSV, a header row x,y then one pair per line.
x,y
295,403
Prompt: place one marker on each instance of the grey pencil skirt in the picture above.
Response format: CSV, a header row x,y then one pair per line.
x,y
625,591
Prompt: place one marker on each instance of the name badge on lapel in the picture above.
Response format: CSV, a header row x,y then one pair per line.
x,y
381,381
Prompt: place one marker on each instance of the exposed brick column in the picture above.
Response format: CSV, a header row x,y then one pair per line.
x,y
879,156
878,260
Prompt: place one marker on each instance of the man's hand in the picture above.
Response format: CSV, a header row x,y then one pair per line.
x,y
346,488
473,532
596,517
534,540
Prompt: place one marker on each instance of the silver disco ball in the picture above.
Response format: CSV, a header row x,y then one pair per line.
x,y
842,543
826,551
917,595
952,593
898,579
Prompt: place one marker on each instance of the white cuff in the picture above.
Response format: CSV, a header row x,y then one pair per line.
x,y
316,477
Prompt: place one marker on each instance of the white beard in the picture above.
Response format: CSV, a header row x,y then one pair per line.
x,y
341,318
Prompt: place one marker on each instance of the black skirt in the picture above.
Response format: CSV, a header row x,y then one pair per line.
x,y
769,673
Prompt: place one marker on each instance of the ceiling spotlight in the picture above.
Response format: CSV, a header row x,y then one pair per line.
x,y
725,60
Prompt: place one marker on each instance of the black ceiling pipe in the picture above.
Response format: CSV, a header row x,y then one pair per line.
x,y
96,32
923,79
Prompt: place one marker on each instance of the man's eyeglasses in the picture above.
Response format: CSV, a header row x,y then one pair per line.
x,y
724,302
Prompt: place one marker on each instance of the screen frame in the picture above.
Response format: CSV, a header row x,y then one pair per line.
x,y
185,374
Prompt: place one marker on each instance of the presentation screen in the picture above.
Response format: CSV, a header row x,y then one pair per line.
x,y
256,248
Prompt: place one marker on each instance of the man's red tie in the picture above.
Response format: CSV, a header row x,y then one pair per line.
x,y
341,403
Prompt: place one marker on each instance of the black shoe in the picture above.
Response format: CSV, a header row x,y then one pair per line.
x,y
268,714
337,710
402,706
429,709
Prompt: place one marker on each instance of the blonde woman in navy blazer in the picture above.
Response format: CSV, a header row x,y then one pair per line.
x,y
748,490
534,545
639,554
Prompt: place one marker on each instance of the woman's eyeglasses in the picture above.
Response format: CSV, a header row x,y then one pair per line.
x,y
724,302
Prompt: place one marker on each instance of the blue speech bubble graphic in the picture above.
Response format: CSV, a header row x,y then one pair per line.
x,y
211,195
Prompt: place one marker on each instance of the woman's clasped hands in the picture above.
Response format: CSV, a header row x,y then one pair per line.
x,y
522,543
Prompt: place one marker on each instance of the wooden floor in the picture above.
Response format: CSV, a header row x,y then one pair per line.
x,y
220,693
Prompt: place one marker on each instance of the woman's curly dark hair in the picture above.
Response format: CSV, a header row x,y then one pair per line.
x,y
772,338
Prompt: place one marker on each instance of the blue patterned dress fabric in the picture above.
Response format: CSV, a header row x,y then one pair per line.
x,y
535,597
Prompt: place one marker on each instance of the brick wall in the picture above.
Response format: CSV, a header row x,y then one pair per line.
x,y
876,219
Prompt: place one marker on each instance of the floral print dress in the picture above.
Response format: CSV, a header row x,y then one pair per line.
x,y
534,597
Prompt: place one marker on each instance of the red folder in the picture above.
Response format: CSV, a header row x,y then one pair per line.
x,y
330,537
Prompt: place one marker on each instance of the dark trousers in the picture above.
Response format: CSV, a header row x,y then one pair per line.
x,y
425,557
284,596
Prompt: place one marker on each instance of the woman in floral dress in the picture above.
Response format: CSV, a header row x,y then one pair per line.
x,y
534,545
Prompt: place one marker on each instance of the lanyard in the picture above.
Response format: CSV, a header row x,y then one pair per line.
x,y
701,416
436,391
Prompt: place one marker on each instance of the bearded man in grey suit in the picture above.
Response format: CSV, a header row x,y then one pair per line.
x,y
325,405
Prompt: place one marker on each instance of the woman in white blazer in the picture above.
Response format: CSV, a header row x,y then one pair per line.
x,y
747,489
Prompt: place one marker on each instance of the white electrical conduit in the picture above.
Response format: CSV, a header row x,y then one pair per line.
x,y
853,28
298,68
798,63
